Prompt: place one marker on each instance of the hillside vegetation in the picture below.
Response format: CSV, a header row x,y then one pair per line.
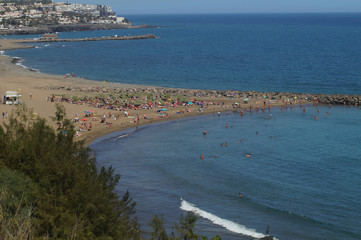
x,y
50,188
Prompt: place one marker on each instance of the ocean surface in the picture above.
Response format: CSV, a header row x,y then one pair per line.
x,y
304,182
317,53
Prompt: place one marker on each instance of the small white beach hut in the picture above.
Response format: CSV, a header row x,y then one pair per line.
x,y
11,97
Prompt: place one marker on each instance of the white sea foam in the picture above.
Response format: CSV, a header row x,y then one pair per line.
x,y
2,53
19,62
229,225
122,136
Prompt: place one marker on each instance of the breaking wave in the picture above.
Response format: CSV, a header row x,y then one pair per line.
x,y
229,225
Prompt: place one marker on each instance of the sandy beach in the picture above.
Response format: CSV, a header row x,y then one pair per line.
x,y
36,89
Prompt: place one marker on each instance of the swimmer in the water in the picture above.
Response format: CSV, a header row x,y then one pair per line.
x,y
248,155
204,132
202,157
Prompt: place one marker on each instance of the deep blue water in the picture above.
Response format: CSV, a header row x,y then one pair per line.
x,y
304,182
317,53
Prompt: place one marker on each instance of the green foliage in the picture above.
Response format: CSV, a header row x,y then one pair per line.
x,y
182,98
184,230
159,232
73,200
166,96
101,95
17,188
50,188
149,96
186,225
16,198
75,98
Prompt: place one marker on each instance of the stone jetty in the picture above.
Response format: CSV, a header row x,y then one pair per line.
x,y
136,37
230,94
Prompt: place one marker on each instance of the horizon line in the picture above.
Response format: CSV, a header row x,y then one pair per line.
x,y
245,13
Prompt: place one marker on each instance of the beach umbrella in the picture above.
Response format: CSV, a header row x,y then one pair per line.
x,y
86,112
164,109
84,119
190,103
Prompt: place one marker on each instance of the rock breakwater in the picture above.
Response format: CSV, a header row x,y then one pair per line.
x,y
211,94
68,28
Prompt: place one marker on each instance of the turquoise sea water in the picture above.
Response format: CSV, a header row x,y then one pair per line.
x,y
304,182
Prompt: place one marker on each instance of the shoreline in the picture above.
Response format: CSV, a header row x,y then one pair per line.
x,y
35,87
